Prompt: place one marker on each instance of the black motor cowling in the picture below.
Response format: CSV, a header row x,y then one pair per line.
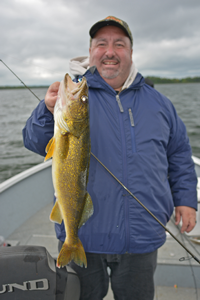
x,y
30,273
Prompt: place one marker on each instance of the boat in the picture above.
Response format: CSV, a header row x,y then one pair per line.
x,y
28,253
26,201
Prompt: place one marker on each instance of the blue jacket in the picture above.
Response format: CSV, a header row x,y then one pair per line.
x,y
146,147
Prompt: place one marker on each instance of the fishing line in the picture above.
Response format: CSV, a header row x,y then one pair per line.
x,y
192,271
185,236
20,80
191,268
187,258
166,229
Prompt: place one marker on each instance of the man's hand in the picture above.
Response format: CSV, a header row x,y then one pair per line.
x,y
51,96
188,215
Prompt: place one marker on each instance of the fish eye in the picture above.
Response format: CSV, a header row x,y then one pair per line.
x,y
84,99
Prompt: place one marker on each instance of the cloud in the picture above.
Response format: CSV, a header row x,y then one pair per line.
x,y
38,37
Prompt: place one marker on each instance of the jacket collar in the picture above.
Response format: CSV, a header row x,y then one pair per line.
x,y
79,66
94,80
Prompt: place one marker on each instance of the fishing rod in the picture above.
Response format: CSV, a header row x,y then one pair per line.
x,y
166,229
20,80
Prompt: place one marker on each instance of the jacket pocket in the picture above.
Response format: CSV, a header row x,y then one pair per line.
x,y
132,128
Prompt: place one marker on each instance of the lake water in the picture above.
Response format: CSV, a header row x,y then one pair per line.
x,y
16,106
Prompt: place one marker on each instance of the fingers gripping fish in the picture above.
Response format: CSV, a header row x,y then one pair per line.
x,y
70,149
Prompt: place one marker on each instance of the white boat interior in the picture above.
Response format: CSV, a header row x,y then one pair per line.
x,y
26,201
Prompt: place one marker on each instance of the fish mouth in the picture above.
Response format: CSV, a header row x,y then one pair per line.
x,y
75,87
81,86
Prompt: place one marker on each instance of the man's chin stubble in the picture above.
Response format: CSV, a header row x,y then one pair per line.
x,y
105,74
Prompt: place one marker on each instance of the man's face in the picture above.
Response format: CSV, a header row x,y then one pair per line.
x,y
111,53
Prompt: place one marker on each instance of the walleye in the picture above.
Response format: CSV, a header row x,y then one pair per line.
x,y
70,149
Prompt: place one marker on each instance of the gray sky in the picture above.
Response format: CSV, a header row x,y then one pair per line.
x,y
38,37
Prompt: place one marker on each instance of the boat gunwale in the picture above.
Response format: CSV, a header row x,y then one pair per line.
x,y
196,160
23,175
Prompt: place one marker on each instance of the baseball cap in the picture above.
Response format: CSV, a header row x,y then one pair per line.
x,y
110,20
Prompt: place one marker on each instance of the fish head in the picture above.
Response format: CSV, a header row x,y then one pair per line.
x,y
73,102
76,96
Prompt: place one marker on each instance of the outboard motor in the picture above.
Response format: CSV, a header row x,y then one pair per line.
x,y
30,273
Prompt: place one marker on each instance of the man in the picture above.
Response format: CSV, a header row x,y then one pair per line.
x,y
137,134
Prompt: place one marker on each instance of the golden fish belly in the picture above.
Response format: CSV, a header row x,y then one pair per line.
x,y
70,167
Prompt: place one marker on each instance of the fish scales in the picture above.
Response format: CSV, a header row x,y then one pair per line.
x,y
70,149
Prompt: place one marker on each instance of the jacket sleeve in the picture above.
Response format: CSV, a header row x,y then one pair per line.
x,y
182,175
39,129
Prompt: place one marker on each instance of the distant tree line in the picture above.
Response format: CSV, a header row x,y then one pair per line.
x,y
157,80
150,79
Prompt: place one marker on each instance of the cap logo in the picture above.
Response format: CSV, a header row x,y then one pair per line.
x,y
114,19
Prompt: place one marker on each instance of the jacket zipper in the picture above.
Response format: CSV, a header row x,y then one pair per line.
x,y
131,117
125,181
119,103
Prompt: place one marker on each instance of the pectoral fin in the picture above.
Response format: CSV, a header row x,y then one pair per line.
x,y
50,149
55,215
87,211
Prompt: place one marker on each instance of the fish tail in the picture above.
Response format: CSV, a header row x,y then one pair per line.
x,y
68,253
